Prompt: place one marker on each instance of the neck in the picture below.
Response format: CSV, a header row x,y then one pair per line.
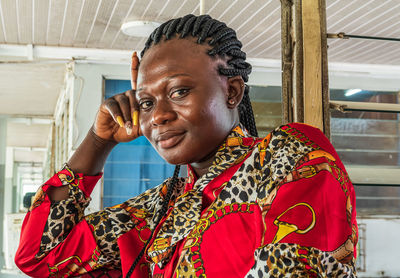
x,y
201,167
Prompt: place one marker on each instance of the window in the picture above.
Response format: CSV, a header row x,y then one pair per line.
x,y
267,107
367,138
132,167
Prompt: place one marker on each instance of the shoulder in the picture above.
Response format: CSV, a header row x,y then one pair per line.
x,y
312,137
288,142
296,135
289,146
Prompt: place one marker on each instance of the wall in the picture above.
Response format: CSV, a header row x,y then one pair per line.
x,y
381,246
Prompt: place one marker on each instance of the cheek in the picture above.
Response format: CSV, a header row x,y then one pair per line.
x,y
212,106
216,111
145,126
202,116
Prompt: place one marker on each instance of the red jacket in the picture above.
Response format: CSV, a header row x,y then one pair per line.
x,y
267,206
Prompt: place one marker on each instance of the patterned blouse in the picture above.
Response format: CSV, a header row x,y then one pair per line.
x,y
279,206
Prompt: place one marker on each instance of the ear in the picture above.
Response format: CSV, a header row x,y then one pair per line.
x,y
235,91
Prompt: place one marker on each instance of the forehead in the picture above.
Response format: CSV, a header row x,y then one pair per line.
x,y
176,56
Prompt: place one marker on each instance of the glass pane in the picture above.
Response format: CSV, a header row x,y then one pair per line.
x,y
366,138
267,107
364,96
377,199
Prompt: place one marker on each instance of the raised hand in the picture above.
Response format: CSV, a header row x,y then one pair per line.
x,y
117,119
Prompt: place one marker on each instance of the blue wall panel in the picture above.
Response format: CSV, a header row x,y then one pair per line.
x,y
132,167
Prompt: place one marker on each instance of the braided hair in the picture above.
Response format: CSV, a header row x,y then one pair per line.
x,y
224,44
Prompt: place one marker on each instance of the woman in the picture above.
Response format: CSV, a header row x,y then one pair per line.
x,y
250,207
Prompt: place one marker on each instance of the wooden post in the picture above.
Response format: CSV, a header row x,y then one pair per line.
x,y
287,60
304,63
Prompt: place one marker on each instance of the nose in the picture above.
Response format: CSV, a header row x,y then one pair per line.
x,y
162,113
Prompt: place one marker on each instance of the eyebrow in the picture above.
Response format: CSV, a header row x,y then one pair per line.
x,y
166,78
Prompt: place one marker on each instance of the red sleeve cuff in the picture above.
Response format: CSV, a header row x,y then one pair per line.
x,y
66,176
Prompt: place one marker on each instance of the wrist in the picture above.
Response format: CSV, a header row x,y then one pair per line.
x,y
100,143
90,157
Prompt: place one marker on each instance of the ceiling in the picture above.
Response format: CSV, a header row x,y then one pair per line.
x,y
30,88
96,24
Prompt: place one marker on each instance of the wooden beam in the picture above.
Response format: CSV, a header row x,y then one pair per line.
x,y
287,60
312,65
304,63
298,87
325,78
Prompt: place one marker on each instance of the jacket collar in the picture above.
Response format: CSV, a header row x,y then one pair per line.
x,y
234,149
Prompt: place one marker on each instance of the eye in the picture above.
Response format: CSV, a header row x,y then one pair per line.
x,y
179,93
147,104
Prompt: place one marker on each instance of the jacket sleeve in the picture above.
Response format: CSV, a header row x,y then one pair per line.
x,y
309,215
58,240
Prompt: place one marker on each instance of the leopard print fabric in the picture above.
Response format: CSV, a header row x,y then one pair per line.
x,y
292,260
108,225
64,215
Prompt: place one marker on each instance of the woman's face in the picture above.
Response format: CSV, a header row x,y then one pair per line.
x,y
184,110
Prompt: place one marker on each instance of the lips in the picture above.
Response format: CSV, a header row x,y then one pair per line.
x,y
170,138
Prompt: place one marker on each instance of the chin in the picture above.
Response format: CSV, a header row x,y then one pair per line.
x,y
173,158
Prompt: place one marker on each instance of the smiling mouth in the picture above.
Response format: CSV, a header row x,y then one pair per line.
x,y
170,139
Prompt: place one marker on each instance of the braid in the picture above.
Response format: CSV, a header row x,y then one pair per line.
x,y
171,29
223,34
187,27
245,109
197,24
162,212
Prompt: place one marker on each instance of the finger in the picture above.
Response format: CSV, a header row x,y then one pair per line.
x,y
113,108
134,107
134,70
125,108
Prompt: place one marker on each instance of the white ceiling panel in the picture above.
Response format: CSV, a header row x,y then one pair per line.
x,y
40,21
27,135
29,156
9,18
96,24
24,21
30,88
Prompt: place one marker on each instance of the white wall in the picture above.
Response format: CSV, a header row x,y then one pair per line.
x,y
91,95
381,246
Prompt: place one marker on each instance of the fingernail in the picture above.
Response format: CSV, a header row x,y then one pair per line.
x,y
135,117
128,127
120,121
134,54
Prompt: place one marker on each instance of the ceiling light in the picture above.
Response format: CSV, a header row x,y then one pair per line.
x,y
139,28
352,92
